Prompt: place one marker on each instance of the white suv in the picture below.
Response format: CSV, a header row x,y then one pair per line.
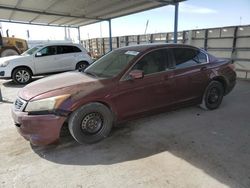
x,y
44,59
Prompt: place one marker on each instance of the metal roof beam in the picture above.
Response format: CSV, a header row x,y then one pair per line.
x,y
13,12
167,2
75,23
46,9
57,19
68,21
39,24
50,13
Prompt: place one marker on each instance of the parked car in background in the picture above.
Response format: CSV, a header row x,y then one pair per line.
x,y
44,59
126,83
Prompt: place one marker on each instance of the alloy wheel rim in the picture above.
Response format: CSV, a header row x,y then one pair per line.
x,y
92,123
22,76
82,66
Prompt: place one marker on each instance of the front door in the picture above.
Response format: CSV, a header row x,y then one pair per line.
x,y
153,91
47,60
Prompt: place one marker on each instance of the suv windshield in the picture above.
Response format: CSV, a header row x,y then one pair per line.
x,y
111,64
32,50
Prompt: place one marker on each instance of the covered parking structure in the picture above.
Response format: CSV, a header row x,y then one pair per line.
x,y
77,13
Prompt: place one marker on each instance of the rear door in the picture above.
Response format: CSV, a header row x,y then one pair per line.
x,y
67,58
190,73
153,91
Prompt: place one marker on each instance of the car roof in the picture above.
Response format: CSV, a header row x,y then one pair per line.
x,y
58,44
144,47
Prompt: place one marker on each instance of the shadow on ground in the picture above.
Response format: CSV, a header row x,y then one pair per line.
x,y
12,84
5,101
215,141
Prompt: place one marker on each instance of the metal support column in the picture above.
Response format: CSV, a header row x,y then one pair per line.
x,y
110,35
79,35
233,52
176,22
206,39
1,97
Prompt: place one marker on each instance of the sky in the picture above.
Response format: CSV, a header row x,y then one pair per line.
x,y
193,14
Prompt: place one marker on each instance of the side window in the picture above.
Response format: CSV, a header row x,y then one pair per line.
x,y
201,57
76,49
185,57
19,44
152,62
59,49
68,49
49,50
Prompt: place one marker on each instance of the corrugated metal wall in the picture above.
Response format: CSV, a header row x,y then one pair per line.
x,y
227,42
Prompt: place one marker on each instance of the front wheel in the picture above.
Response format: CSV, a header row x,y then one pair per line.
x,y
91,123
22,75
212,96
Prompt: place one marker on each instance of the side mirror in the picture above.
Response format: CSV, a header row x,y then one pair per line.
x,y
39,54
136,74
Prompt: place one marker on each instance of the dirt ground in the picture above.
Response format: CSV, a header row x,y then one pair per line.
x,y
187,148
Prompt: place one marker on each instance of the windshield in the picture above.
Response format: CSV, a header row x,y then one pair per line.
x,y
32,50
111,64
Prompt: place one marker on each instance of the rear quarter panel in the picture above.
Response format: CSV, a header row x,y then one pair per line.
x,y
222,70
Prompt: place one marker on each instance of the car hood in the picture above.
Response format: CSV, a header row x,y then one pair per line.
x,y
69,82
9,58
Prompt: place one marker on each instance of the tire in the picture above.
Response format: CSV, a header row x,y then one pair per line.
x,y
8,52
212,96
90,123
81,66
22,75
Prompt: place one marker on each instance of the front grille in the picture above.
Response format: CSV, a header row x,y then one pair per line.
x,y
19,104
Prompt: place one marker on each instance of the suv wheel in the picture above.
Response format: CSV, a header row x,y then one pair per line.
x,y
22,75
91,123
81,66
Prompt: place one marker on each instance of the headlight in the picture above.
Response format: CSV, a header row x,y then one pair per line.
x,y
45,104
4,64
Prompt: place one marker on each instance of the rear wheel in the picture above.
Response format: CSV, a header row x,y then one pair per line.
x,y
81,66
213,96
91,123
22,75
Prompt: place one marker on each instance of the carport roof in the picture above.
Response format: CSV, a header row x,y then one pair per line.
x,y
72,13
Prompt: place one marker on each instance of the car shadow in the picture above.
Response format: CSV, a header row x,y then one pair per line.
x,y
215,141
196,144
12,84
6,101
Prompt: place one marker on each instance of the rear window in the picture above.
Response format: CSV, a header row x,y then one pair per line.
x,y
187,57
67,49
19,44
201,57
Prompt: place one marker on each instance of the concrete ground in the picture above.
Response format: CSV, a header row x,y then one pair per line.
x,y
186,148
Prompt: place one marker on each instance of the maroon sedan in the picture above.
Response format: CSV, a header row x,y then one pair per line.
x,y
125,83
